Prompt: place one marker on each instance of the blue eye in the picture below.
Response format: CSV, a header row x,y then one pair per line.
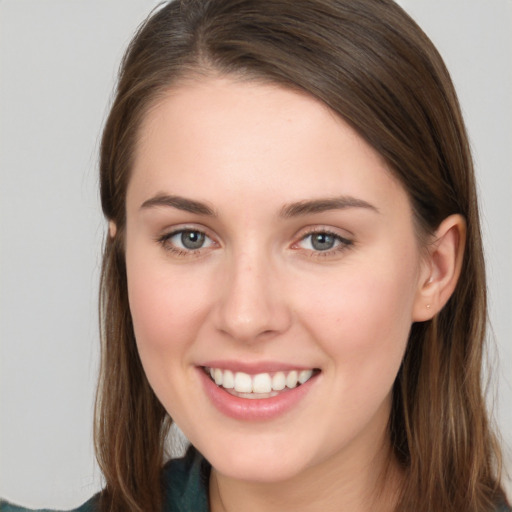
x,y
190,239
186,240
323,241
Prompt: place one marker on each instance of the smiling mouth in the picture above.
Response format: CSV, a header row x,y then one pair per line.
x,y
261,385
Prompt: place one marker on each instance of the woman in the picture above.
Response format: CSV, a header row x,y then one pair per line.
x,y
293,271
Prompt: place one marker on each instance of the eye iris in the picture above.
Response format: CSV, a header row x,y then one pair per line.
x,y
192,239
322,241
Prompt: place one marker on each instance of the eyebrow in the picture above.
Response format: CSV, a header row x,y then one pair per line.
x,y
322,205
180,203
297,209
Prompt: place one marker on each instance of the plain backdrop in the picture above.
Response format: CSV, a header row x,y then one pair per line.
x,y
58,61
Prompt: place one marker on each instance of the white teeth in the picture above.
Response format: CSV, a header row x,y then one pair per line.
x,y
243,382
291,379
262,383
278,381
305,375
228,381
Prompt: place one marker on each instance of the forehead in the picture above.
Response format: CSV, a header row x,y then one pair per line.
x,y
219,135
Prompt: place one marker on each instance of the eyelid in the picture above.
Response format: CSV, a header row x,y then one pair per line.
x,y
343,244
164,239
321,228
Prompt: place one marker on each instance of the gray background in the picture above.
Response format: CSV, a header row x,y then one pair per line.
x,y
58,60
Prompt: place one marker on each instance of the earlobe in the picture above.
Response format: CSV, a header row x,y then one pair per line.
x,y
112,229
441,268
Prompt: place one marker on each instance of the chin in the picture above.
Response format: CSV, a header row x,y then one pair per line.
x,y
267,470
258,458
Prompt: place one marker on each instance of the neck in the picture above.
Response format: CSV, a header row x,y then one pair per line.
x,y
356,484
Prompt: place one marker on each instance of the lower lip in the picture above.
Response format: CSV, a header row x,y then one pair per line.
x,y
254,409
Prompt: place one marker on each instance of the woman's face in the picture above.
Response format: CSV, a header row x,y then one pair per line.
x,y
266,242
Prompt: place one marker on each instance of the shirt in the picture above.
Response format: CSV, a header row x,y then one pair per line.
x,y
185,488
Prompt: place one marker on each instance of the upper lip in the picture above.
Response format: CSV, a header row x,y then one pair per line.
x,y
253,368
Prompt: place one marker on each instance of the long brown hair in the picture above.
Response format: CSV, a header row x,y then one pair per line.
x,y
372,65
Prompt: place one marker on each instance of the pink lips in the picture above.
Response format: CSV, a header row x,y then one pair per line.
x,y
246,409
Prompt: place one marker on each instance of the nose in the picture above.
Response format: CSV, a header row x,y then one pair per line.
x,y
252,304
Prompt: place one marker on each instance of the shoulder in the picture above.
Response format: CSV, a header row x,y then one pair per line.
x,y
185,483
88,506
185,487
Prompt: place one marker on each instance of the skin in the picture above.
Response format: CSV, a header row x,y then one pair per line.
x,y
258,290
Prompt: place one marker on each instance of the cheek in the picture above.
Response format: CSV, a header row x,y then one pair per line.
x,y
362,318
166,306
167,309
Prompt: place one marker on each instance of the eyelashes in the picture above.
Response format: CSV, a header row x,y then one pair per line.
x,y
185,242
322,242
318,242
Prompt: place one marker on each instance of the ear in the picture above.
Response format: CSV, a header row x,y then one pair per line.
x,y
441,268
112,229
